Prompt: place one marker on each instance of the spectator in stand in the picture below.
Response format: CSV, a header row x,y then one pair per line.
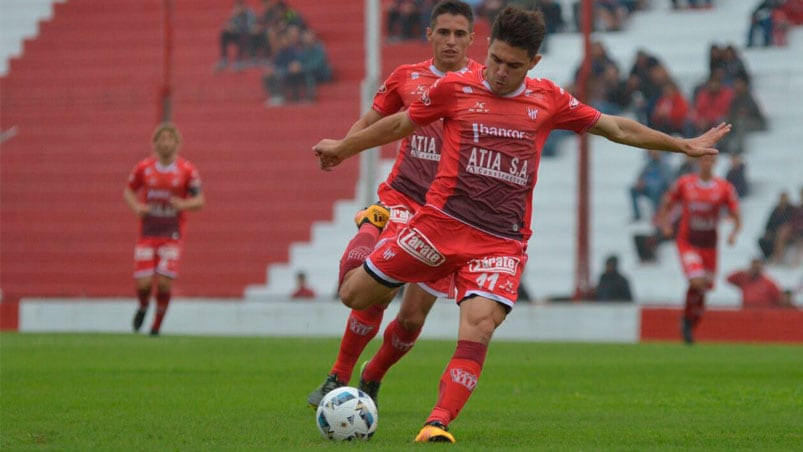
x,y
302,290
745,115
761,23
403,20
599,79
790,235
694,4
737,175
652,182
712,104
671,111
613,285
642,83
734,66
264,29
237,31
759,290
490,8
314,63
553,15
780,215
301,65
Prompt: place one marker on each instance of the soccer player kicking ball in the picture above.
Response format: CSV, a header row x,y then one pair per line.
x,y
702,197
159,190
401,195
476,220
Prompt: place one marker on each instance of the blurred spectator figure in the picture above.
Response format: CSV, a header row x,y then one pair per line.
x,y
694,4
733,65
603,76
618,91
780,215
609,15
758,289
263,29
790,236
745,115
671,111
711,105
553,15
612,285
301,64
404,19
761,23
737,175
237,31
652,182
314,63
645,91
302,290
490,8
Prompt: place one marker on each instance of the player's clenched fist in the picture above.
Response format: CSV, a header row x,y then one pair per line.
x,y
326,151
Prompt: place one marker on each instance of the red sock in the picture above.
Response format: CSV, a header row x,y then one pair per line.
x,y
361,327
396,343
458,381
695,300
358,250
144,297
162,300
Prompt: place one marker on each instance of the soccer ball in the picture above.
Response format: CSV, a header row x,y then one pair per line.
x,y
345,414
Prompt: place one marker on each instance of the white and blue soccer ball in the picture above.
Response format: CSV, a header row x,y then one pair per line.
x,y
346,414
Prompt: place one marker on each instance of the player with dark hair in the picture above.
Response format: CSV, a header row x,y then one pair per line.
x,y
159,190
476,220
401,195
702,197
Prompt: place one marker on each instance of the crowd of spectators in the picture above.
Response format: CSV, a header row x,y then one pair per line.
x,y
278,42
771,20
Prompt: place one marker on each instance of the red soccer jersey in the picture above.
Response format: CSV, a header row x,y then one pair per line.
x,y
156,184
701,203
419,153
492,146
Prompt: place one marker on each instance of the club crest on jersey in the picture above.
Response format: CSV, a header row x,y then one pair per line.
x,y
479,107
573,103
415,75
494,264
467,90
418,246
382,89
532,113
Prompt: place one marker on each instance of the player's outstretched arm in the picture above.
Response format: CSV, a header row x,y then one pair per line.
x,y
331,153
627,131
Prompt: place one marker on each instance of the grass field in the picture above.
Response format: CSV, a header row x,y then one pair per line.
x,y
126,392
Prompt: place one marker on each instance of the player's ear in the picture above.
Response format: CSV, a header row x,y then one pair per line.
x,y
536,59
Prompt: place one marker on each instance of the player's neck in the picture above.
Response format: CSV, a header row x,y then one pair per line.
x,y
706,176
449,67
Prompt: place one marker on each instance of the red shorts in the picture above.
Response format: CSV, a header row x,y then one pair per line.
x,y
697,262
402,208
433,246
157,255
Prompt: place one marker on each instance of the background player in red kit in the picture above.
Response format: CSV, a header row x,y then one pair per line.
x,y
401,195
160,188
476,220
702,197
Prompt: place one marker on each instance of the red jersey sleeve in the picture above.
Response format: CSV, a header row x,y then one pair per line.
x,y
387,99
437,102
674,194
193,180
570,113
136,177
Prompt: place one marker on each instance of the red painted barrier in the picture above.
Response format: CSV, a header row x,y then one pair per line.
x,y
743,325
9,315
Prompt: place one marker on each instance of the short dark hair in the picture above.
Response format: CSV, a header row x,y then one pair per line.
x,y
520,28
453,7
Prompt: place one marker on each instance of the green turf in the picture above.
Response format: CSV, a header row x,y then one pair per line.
x,y
126,392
